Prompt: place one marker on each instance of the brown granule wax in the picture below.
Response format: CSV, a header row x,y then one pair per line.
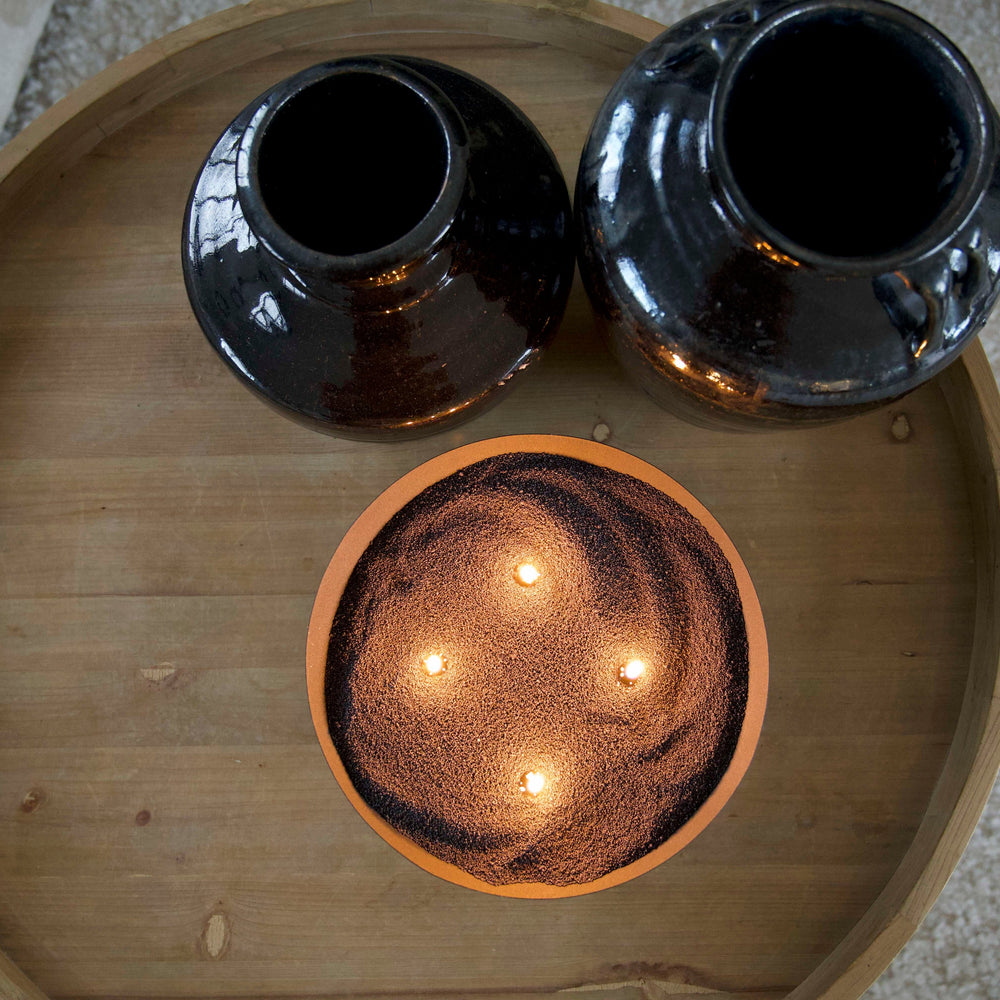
x,y
532,673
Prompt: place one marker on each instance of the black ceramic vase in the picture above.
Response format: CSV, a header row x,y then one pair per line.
x,y
364,251
790,212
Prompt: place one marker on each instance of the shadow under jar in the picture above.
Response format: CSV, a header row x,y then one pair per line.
x,y
790,212
362,250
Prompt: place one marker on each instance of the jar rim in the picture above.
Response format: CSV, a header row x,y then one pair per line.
x,y
416,242
970,96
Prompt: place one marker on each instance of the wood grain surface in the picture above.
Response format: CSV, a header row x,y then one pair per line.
x,y
168,825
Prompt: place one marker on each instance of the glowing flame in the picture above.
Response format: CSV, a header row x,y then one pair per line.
x,y
526,574
532,782
631,672
434,664
678,362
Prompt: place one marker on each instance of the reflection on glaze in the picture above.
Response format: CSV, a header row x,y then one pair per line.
x,y
385,339
267,314
218,221
609,174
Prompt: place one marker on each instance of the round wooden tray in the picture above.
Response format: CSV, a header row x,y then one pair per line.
x,y
169,827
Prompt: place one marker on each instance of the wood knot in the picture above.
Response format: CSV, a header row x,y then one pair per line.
x,y
215,935
805,821
32,800
142,817
162,673
900,428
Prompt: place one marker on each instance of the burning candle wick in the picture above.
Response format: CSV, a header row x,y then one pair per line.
x,y
631,672
532,782
434,664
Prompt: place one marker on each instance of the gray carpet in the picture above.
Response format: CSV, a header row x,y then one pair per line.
x,y
955,954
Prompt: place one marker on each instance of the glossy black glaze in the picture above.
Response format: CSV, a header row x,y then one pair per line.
x,y
790,212
363,250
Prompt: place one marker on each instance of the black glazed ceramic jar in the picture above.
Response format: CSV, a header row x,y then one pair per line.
x,y
362,249
790,212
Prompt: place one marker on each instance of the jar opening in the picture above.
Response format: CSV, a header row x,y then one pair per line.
x,y
352,163
846,132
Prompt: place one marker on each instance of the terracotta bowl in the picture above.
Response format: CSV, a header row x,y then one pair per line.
x,y
326,684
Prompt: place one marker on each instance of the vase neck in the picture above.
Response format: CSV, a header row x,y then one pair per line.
x,y
350,175
850,135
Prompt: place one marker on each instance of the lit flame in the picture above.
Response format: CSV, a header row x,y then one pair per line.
x,y
526,574
434,664
631,671
532,782
678,362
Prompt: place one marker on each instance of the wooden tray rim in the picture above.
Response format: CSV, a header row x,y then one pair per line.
x,y
132,86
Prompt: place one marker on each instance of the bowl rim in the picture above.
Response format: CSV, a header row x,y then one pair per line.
x,y
363,531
